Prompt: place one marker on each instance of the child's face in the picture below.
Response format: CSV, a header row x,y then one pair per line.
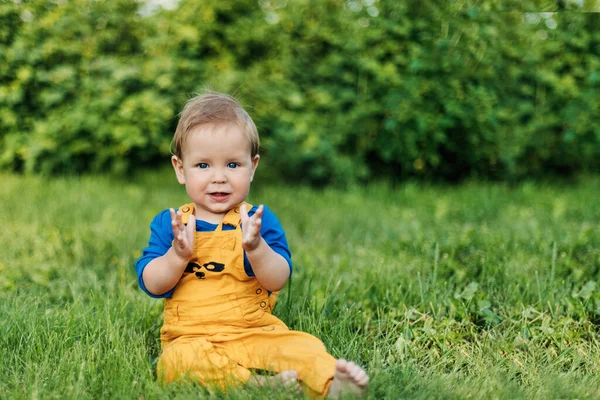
x,y
216,168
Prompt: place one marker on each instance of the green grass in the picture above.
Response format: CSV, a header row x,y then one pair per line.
x,y
479,290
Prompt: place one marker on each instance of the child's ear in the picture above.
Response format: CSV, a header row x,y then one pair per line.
x,y
254,166
178,167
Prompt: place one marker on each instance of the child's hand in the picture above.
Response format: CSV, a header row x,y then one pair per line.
x,y
251,227
183,244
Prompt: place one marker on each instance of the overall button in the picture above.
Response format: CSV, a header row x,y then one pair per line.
x,y
263,304
258,291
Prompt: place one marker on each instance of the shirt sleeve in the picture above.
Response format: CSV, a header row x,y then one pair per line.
x,y
161,237
273,233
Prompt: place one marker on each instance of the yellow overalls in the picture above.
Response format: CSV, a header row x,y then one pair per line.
x,y
218,323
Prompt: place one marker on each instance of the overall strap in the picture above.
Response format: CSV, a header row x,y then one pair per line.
x,y
186,210
231,218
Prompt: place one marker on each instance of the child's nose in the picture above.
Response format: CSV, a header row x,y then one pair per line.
x,y
219,175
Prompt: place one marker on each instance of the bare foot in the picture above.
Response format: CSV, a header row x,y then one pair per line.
x,y
285,379
349,379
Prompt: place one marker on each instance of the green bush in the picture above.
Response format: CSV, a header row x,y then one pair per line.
x,y
77,92
341,91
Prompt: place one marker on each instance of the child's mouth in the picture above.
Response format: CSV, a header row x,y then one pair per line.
x,y
219,196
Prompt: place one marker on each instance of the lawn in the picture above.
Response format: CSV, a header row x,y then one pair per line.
x,y
482,290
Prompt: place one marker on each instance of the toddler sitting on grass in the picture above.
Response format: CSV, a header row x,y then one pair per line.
x,y
219,262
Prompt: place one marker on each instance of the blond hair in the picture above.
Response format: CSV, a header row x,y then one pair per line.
x,y
213,107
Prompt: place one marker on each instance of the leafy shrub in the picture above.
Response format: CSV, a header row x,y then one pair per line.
x,y
341,91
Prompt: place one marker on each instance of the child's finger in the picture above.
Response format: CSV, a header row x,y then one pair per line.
x,y
175,217
259,212
243,213
191,225
254,228
174,226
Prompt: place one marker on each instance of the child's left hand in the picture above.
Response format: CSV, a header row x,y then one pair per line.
x,y
251,227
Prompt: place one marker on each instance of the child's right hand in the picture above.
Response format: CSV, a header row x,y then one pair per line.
x,y
183,244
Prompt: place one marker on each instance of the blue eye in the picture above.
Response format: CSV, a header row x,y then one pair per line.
x,y
203,165
232,165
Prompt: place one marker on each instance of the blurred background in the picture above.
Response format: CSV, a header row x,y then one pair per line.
x,y
342,91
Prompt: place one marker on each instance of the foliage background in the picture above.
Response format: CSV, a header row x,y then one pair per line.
x,y
341,91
